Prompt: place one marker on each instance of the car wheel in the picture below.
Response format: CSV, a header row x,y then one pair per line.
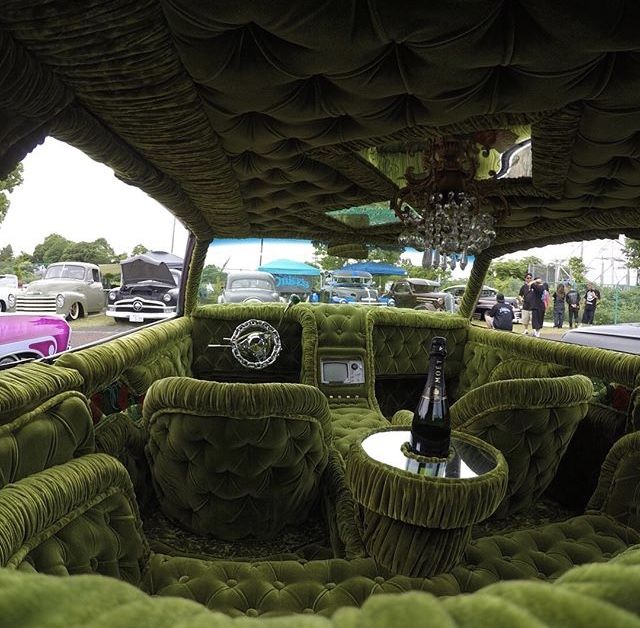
x,y
8,359
75,312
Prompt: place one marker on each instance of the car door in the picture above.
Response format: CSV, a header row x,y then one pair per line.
x,y
402,294
94,291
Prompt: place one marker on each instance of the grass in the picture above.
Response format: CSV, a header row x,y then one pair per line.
x,y
94,320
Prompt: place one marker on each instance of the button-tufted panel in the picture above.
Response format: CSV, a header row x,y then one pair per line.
x,y
341,325
56,431
321,587
236,460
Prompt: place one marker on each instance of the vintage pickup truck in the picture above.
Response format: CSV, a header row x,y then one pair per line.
x,y
71,289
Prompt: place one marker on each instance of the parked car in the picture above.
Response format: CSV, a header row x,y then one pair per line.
x,y
348,286
8,290
419,294
249,286
71,289
624,337
25,336
149,288
486,301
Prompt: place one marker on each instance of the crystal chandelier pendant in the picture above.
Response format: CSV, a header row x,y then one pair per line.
x,y
441,208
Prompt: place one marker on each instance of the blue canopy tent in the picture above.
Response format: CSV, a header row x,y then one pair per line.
x,y
376,268
291,276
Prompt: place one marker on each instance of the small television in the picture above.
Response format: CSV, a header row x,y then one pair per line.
x,y
340,372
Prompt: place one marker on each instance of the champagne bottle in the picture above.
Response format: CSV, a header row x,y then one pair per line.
x,y
431,425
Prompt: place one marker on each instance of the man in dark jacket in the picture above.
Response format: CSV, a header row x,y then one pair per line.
x,y
573,305
525,317
500,316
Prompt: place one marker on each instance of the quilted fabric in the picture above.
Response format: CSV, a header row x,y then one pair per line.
x,y
29,385
531,421
80,517
351,421
56,431
236,460
242,121
81,511
158,351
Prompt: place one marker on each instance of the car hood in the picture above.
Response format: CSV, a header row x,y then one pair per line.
x,y
140,268
48,286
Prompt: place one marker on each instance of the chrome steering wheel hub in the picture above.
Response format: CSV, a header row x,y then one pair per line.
x,y
255,344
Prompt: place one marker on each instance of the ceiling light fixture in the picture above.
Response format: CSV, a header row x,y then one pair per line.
x,y
442,209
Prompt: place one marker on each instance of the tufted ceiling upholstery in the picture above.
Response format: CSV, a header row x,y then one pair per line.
x,y
249,118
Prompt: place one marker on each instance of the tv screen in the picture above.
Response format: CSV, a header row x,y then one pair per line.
x,y
337,372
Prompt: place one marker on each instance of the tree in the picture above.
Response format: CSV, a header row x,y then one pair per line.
x,y
139,249
97,252
435,274
6,254
578,270
508,269
631,251
51,250
14,178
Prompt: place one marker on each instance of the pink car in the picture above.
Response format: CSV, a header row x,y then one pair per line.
x,y
24,336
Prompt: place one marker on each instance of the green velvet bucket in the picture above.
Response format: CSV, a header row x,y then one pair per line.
x,y
418,525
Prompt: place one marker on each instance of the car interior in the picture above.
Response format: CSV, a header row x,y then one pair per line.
x,y
216,466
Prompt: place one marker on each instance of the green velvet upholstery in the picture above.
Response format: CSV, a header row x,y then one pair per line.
x,y
137,359
419,525
81,518
52,433
298,335
233,460
125,440
23,388
601,594
531,421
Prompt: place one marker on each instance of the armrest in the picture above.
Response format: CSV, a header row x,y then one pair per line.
x,y
544,392
402,417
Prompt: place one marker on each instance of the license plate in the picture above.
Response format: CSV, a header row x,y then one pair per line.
x,y
136,318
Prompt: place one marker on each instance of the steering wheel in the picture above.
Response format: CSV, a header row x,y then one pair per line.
x,y
255,344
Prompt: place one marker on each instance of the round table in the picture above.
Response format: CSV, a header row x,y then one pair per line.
x,y
416,513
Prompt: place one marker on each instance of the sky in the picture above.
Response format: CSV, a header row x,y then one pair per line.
x,y
65,192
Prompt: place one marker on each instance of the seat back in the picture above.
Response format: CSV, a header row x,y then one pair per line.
x,y
236,460
76,518
531,421
52,433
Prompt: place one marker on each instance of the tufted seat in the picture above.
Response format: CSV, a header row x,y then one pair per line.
x,y
81,518
236,460
531,421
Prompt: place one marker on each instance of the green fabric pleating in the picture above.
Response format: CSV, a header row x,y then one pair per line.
x,y
426,501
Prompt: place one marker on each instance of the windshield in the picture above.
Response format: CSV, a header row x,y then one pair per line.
x,y
242,284
65,271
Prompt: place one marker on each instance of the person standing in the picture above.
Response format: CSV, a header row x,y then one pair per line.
x,y
573,305
559,300
591,298
536,298
525,303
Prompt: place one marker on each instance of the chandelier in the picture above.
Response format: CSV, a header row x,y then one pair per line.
x,y
440,208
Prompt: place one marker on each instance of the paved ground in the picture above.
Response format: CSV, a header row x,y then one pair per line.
x,y
95,328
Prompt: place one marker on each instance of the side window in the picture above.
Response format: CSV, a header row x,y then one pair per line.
x,y
402,288
95,275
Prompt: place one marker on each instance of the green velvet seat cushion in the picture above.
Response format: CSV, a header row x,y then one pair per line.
x,y
52,433
23,388
236,460
351,422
